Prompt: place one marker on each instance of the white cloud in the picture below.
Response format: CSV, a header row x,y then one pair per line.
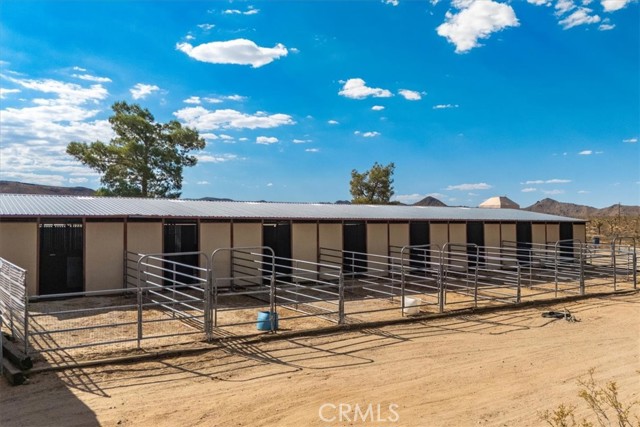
x,y
606,27
238,51
548,181
82,70
477,21
67,93
333,122
613,5
301,141
584,192
206,27
91,78
213,100
539,2
141,90
189,37
370,134
585,152
204,120
215,158
469,187
243,139
312,150
266,140
202,182
294,50
78,180
579,17
391,2
4,92
410,95
377,108
564,6
270,184
552,192
192,100
357,89
235,97
529,190
250,11
444,106
631,140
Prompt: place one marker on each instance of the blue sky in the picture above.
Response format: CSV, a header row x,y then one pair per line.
x,y
469,98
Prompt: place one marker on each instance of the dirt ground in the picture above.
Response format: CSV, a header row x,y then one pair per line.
x,y
495,369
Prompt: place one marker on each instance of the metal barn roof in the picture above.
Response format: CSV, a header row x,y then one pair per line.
x,y
27,205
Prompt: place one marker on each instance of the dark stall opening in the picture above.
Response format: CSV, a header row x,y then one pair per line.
x,y
180,236
61,267
475,240
277,236
355,247
419,236
566,233
524,239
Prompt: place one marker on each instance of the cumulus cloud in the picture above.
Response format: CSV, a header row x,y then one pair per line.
x,y
613,5
631,140
606,27
250,11
391,2
552,192
357,89
202,182
204,120
529,190
206,27
266,140
333,122
548,181
564,6
4,92
205,157
301,141
579,17
586,152
141,90
377,108
410,95
192,100
539,2
477,20
238,51
444,106
312,150
469,187
370,134
91,78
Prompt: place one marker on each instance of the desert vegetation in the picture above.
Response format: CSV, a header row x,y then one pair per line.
x,y
608,227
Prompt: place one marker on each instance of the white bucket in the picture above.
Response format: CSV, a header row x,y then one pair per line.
x,y
411,306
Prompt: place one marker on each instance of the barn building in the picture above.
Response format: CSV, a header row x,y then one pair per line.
x,y
73,244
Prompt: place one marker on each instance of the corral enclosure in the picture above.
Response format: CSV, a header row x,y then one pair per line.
x,y
169,299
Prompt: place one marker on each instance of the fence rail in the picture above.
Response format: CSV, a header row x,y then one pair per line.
x,y
170,298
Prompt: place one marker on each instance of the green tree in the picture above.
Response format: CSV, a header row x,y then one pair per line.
x,y
145,158
374,186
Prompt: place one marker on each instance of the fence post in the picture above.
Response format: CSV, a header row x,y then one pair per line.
x,y
272,293
26,318
341,298
441,286
519,283
582,262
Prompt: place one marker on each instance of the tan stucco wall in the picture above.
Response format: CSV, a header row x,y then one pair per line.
x,y
104,249
330,236
398,235
458,233
19,246
216,235
248,234
538,234
304,238
508,232
377,244
580,232
439,234
492,235
553,233
144,237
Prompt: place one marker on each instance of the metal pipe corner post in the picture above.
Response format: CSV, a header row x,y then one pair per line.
x,y
272,292
583,248
519,285
341,315
441,284
26,319
614,264
555,267
208,327
475,278
402,279
139,302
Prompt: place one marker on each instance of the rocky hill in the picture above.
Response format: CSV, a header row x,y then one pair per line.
x,y
14,187
554,207
430,201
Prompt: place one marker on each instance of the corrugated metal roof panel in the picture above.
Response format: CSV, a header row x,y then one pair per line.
x,y
13,205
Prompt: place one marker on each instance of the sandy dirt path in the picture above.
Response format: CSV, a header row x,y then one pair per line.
x,y
495,369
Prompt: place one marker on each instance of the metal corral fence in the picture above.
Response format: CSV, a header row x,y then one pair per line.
x,y
174,298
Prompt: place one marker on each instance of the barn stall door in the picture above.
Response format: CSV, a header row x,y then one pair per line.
x,y
419,235
566,233
277,236
181,236
61,258
355,240
475,236
524,239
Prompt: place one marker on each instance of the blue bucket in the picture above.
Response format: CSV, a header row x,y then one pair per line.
x,y
264,320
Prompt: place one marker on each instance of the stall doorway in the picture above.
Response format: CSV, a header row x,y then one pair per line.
x,y
419,235
277,236
355,247
180,236
566,233
475,236
524,239
61,258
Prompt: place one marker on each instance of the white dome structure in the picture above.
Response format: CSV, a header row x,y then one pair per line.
x,y
499,202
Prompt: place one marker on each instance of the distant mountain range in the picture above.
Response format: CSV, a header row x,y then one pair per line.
x,y
548,206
